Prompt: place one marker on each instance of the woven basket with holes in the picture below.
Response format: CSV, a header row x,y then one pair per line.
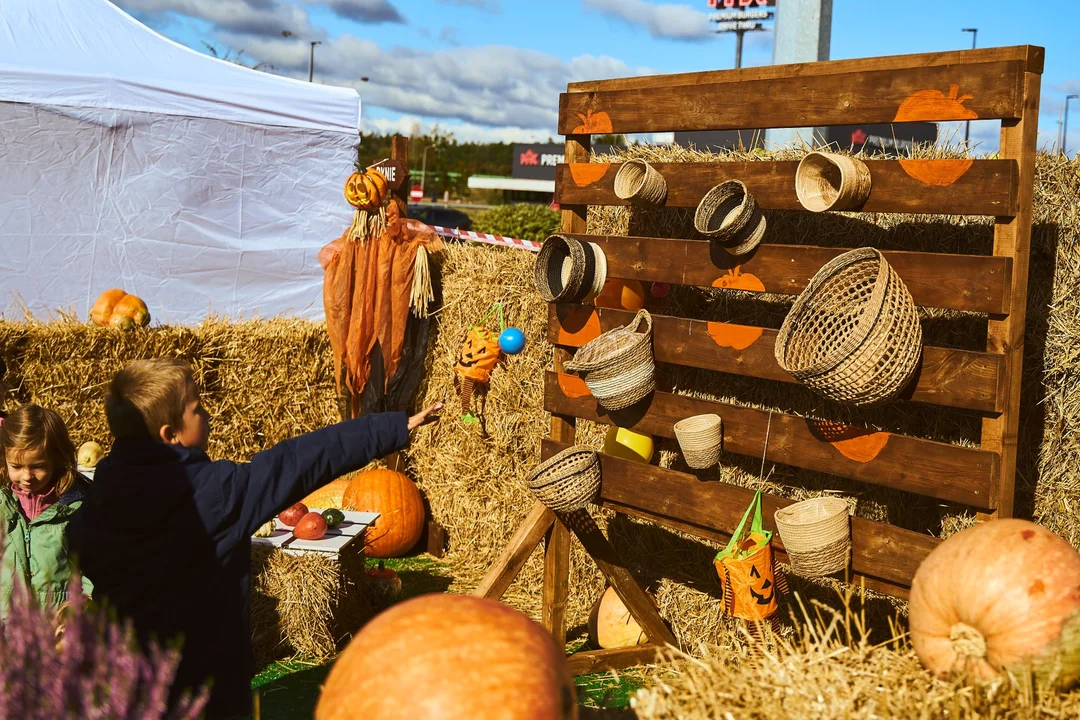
x,y
853,335
816,534
699,439
618,366
568,481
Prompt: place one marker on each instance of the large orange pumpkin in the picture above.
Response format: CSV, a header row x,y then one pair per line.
x,y
1003,595
119,309
443,657
330,495
400,507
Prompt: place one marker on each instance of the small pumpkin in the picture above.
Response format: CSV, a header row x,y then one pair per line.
x,y
366,190
268,528
311,527
89,455
401,511
1002,595
329,495
612,626
333,517
385,584
450,656
117,308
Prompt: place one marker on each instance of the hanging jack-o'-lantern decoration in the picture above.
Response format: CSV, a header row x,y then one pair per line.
x,y
368,192
479,354
748,574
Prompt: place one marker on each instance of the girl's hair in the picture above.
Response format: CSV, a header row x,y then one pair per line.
x,y
33,427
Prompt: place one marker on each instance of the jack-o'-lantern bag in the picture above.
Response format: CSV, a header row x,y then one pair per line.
x,y
746,566
479,354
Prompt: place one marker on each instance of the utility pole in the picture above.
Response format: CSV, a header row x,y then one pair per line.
x,y
1065,125
974,35
423,168
311,60
803,35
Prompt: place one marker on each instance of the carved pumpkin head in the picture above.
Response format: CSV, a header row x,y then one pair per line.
x,y
748,582
478,355
368,190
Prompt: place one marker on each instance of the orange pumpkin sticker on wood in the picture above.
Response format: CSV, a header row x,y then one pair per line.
x,y
935,105
593,123
734,279
578,326
737,337
573,386
858,444
587,173
939,173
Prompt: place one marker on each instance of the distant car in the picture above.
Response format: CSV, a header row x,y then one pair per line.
x,y
441,216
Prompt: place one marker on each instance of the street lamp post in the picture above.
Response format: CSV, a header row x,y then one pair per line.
x,y
974,35
1065,125
423,168
311,55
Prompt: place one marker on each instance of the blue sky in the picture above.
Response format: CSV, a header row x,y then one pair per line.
x,y
492,69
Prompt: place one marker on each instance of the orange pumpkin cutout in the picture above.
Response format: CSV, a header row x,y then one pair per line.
x,y
593,123
585,174
578,325
938,173
572,386
736,337
935,105
736,280
747,570
854,443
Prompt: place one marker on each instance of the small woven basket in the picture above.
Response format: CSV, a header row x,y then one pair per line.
x,y
640,183
853,334
567,269
700,438
827,181
618,366
568,481
729,215
816,535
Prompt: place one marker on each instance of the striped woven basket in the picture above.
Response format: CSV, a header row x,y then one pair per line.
x,y
816,535
618,366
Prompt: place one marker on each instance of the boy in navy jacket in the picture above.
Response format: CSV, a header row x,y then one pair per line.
x,y
165,533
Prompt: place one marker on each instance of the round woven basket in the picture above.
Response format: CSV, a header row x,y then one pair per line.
x,y
816,535
827,181
853,334
700,438
640,183
618,366
567,269
729,215
568,481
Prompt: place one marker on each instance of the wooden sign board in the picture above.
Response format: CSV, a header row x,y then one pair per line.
x,y
394,171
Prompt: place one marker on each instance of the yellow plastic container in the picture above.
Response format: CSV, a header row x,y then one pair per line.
x,y
628,445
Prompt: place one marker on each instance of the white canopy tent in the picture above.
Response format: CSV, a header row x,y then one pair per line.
x,y
128,160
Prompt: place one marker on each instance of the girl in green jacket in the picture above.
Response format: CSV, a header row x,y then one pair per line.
x,y
40,489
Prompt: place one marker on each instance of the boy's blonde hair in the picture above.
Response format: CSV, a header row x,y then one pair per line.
x,y
146,395
34,428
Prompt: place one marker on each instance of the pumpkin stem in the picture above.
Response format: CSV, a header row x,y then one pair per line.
x,y
967,642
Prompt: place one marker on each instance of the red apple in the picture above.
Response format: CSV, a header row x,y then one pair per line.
x,y
291,515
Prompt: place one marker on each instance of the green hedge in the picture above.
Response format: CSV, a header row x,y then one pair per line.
x,y
527,222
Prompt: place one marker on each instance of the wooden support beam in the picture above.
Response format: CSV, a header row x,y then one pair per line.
x,y
526,538
592,662
556,581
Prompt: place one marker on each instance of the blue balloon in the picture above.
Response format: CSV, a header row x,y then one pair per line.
x,y
512,341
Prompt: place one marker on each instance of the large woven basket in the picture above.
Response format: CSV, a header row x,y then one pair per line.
x,y
853,335
828,181
699,439
568,481
816,535
618,366
568,269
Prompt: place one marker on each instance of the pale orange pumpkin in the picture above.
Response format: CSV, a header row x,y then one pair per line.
x,y
400,507
330,495
1003,595
441,656
612,626
117,308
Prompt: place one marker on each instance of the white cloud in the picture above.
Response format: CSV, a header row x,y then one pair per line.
x,y
492,6
668,20
449,35
463,132
366,11
263,18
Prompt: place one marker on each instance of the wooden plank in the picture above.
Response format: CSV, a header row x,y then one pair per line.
x,y
972,283
1031,55
556,581
591,662
932,94
948,377
614,569
888,552
1012,238
938,470
951,187
516,553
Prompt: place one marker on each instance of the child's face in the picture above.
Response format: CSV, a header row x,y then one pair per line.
x,y
29,470
194,432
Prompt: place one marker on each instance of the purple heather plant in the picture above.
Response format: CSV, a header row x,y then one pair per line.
x,y
76,663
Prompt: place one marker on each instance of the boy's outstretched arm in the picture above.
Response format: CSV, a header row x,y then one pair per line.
x,y
284,474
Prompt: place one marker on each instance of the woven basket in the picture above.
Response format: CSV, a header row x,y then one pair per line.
x,y
568,481
640,183
827,181
700,438
853,335
618,366
816,535
567,269
729,215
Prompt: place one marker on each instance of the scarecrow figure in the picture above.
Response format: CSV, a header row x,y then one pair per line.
x,y
376,294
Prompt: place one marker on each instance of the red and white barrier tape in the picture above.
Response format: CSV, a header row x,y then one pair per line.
x,y
489,239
